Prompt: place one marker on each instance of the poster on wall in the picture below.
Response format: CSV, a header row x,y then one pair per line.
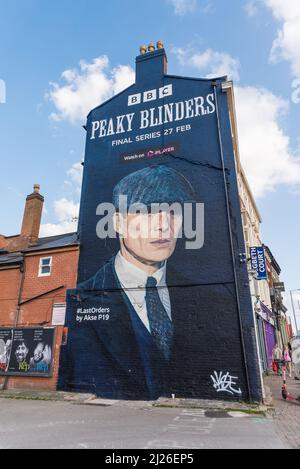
x,y
6,339
26,352
161,307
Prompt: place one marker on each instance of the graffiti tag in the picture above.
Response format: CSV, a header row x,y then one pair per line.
x,y
225,383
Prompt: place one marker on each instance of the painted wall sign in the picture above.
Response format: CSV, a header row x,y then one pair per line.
x,y
156,307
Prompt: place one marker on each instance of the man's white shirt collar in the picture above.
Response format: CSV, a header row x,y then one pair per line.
x,y
134,281
133,277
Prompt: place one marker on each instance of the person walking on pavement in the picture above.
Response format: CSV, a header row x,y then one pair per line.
x,y
277,357
288,360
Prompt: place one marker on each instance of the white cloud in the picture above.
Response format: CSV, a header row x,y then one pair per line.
x,y
284,9
182,7
251,8
75,173
287,44
210,63
87,88
49,229
264,147
66,210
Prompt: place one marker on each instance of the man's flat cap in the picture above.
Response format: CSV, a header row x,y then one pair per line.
x,y
154,185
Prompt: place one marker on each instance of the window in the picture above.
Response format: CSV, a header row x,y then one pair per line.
x,y
45,267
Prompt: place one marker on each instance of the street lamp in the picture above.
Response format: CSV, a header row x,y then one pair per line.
x,y
294,311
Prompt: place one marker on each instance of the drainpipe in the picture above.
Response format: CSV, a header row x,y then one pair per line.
x,y
17,317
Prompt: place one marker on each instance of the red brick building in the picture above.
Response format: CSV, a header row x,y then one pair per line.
x,y
34,276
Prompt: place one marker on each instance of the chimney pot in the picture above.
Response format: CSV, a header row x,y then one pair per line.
x,y
151,47
143,50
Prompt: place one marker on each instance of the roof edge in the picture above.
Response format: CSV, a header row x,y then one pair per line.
x,y
110,99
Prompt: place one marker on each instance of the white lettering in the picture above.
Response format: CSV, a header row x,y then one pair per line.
x,y
144,119
120,127
210,100
103,125
189,108
165,91
129,121
110,130
95,127
156,116
150,96
134,99
168,113
180,111
199,103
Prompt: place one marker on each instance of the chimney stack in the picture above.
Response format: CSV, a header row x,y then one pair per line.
x,y
152,62
32,215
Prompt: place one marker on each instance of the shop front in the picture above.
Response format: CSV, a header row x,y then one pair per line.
x,y
266,335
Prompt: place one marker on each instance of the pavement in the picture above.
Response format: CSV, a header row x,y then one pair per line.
x,y
43,420
38,424
52,420
286,415
92,400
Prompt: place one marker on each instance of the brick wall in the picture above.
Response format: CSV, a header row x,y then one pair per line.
x,y
38,312
9,289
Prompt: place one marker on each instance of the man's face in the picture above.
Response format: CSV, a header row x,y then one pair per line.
x,y
21,353
151,237
38,353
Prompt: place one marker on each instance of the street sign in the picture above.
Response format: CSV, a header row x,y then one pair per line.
x,y
258,262
279,286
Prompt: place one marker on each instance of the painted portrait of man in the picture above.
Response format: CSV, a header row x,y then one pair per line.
x,y
148,229
138,329
133,354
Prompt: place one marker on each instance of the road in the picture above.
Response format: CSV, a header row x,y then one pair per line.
x,y
64,425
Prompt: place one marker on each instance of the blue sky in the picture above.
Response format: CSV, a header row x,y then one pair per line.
x,y
41,139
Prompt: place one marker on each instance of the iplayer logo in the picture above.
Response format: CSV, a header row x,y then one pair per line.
x,y
2,92
151,95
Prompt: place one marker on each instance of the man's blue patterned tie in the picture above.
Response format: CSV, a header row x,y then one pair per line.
x,y
160,324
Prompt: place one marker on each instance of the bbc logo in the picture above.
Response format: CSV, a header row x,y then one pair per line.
x,y
2,92
151,95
